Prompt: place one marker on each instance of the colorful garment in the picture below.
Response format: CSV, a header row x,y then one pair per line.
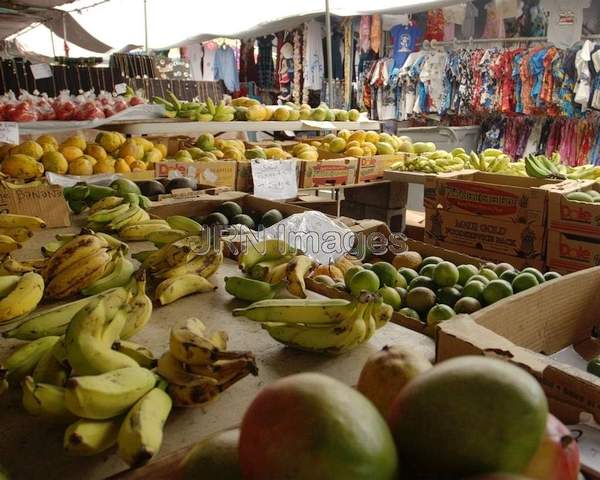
x,y
265,66
405,40
435,25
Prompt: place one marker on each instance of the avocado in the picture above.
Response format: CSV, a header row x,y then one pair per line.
x,y
271,218
124,185
151,188
229,209
579,197
242,219
180,182
216,218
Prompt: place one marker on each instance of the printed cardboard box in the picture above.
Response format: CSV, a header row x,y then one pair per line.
x,y
332,172
500,197
485,234
372,168
383,194
568,252
44,201
570,216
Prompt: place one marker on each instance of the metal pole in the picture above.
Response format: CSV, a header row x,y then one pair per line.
x,y
66,45
146,26
52,41
329,55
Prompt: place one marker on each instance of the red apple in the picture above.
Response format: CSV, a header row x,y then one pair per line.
x,y
557,457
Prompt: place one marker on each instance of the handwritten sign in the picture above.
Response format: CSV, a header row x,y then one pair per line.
x,y
274,179
9,132
120,88
41,70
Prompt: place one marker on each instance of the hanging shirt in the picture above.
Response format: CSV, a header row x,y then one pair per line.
x,y
226,68
405,40
364,33
265,66
432,75
583,86
435,25
208,62
375,35
468,25
313,55
196,53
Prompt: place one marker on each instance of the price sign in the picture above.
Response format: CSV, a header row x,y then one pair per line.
x,y
41,70
274,179
120,88
9,132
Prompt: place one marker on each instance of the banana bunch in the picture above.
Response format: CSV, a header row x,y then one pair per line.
x,y
117,217
161,232
11,266
540,166
17,229
199,367
196,111
431,162
19,295
328,326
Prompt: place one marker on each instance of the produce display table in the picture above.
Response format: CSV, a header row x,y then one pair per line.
x,y
30,448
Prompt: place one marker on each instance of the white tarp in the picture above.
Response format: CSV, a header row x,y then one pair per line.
x,y
180,22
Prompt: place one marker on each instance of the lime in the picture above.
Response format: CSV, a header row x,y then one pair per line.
x,y
403,292
408,273
488,273
523,281
458,287
438,314
387,273
364,280
420,299
391,297
474,290
465,272
445,274
478,278
432,260
536,272
467,305
496,290
490,265
351,272
593,366
551,276
448,296
402,282
422,282
509,275
427,270
409,312
502,267
367,266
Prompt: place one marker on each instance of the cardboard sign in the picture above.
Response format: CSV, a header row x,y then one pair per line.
x,y
274,179
9,132
41,70
120,88
175,169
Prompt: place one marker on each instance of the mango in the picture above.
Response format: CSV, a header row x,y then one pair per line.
x,y
55,162
30,148
81,166
22,166
75,141
95,151
121,166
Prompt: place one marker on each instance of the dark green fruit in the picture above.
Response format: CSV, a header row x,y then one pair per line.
x,y
408,273
216,218
422,282
431,260
124,185
552,275
271,218
229,209
467,305
536,272
448,296
242,219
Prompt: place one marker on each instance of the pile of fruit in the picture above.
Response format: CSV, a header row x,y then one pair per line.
x,y
120,192
541,166
406,419
357,144
431,289
588,196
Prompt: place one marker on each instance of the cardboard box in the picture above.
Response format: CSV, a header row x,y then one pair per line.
x,y
221,173
383,194
525,328
333,172
567,252
44,201
314,202
484,233
499,197
392,217
372,168
415,225
569,216
174,143
419,177
145,175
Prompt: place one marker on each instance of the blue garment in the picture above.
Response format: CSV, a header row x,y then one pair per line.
x,y
536,68
516,73
226,68
405,41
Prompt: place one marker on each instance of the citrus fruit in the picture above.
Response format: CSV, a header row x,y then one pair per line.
x,y
403,292
421,281
420,299
490,265
509,275
431,260
488,273
438,314
593,366
455,398
467,305
496,290
523,281
536,272
474,289
364,280
465,272
478,278
278,432
387,274
401,282
391,297
427,270
407,259
351,272
551,276
445,274
409,312
448,296
500,268
408,273
367,266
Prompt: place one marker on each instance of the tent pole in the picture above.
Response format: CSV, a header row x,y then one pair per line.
x,y
146,26
66,45
329,55
52,42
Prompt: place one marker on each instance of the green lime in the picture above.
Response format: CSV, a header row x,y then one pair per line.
x,y
467,305
367,266
490,265
420,299
536,272
438,314
387,273
509,275
445,274
523,281
593,366
458,287
391,297
422,282
448,296
408,273
474,290
465,272
351,272
496,290
402,282
364,280
488,273
403,292
433,260
478,278
409,312
427,270
502,267
551,276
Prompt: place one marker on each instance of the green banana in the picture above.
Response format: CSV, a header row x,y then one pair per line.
x,y
108,215
49,370
251,290
24,360
121,274
98,192
179,222
89,437
121,220
265,250
163,237
132,198
113,243
47,401
8,284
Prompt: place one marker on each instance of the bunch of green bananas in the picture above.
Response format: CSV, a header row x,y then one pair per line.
x,y
83,196
161,232
198,111
114,213
328,326
540,166
198,367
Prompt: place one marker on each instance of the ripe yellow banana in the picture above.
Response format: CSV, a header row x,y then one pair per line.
x,y
19,234
23,299
14,267
79,275
298,268
120,275
179,222
106,203
223,370
174,288
139,308
166,236
89,437
99,397
277,274
175,372
9,220
49,370
203,265
133,215
72,252
108,214
264,250
8,244
139,353
139,231
261,270
8,284
23,360
139,216
46,401
50,248
141,432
